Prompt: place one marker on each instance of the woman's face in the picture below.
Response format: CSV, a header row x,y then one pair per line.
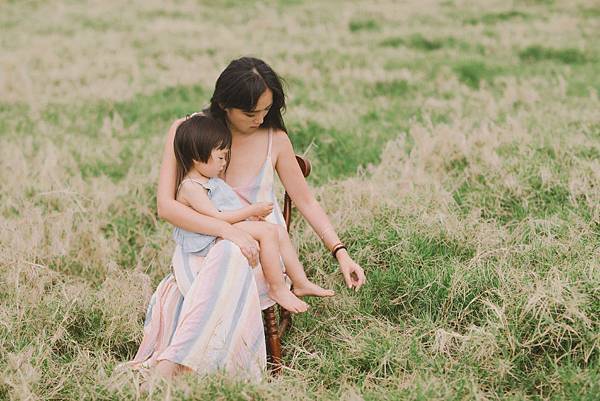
x,y
246,122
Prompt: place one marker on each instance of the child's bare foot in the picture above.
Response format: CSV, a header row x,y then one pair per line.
x,y
287,299
310,288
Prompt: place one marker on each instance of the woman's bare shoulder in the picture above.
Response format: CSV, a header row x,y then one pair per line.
x,y
175,124
180,120
282,146
281,138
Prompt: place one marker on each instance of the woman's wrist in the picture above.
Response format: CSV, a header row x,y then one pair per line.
x,y
339,246
341,255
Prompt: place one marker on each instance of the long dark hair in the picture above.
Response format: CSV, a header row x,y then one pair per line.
x,y
195,139
241,84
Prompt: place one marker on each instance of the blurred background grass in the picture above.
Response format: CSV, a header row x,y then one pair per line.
x,y
456,146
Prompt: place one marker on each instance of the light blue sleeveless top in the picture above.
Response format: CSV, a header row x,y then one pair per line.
x,y
223,198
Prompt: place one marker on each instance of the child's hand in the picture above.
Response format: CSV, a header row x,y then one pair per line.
x,y
262,209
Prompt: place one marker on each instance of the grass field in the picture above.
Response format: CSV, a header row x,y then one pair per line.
x,y
456,147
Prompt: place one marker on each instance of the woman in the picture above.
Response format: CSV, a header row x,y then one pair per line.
x,y
205,315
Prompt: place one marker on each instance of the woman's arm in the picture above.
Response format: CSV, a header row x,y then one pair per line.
x,y
185,217
295,184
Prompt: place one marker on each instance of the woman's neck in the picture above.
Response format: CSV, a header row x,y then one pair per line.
x,y
237,134
239,138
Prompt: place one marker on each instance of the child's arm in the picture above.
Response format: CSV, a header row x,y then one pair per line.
x,y
196,197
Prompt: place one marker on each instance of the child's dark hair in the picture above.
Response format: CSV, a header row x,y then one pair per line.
x,y
195,139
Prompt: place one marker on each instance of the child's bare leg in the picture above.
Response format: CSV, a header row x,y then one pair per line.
x,y
268,237
294,269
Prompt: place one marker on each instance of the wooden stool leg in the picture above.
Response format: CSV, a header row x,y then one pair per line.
x,y
273,340
285,321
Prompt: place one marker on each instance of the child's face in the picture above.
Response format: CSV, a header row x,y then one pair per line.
x,y
215,165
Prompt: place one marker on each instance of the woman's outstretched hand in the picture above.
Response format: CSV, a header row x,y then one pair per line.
x,y
354,275
248,245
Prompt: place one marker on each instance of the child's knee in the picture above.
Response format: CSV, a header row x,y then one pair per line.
x,y
273,230
281,232
268,232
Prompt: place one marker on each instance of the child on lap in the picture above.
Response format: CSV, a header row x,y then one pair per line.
x,y
201,146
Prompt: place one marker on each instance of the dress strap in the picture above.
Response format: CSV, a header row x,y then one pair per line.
x,y
270,142
195,181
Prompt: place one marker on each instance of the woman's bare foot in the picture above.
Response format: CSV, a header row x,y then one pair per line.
x,y
148,379
310,288
167,369
146,387
284,297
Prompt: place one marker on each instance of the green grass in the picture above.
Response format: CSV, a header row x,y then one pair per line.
x,y
540,53
131,227
494,18
422,43
414,275
392,89
472,72
429,44
363,25
332,154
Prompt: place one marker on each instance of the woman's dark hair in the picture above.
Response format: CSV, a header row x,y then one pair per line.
x,y
241,84
195,139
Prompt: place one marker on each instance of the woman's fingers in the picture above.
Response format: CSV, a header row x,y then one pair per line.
x,y
251,255
347,278
360,277
354,276
252,252
248,245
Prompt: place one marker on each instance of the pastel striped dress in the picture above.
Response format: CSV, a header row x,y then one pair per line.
x,y
206,313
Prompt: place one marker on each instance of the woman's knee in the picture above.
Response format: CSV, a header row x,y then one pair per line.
x,y
273,230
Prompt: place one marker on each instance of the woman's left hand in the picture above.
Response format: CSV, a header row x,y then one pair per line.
x,y
354,275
